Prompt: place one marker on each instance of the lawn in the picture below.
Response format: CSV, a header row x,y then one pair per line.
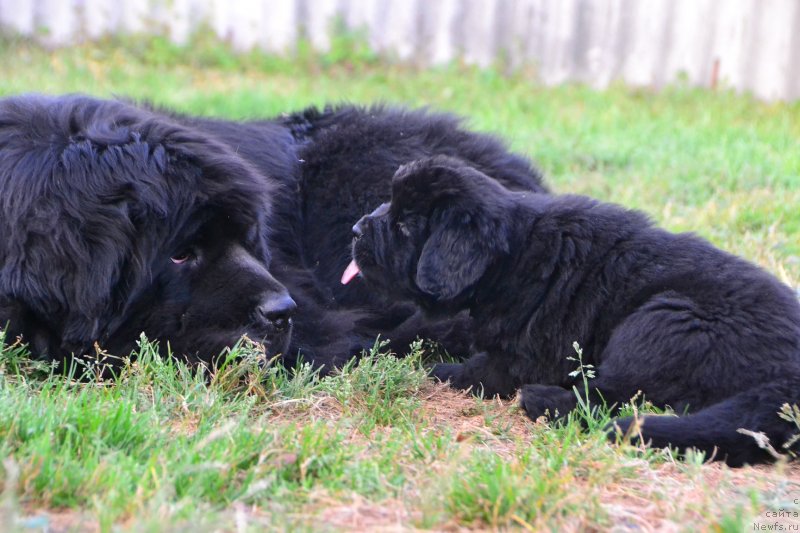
x,y
379,446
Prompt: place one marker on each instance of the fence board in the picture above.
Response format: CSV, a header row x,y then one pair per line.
x,y
750,45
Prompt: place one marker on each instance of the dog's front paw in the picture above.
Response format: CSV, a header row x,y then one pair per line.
x,y
546,400
447,372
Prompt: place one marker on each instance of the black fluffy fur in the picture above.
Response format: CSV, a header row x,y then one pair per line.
x,y
691,326
97,196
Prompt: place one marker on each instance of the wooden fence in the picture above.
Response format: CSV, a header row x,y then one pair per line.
x,y
750,45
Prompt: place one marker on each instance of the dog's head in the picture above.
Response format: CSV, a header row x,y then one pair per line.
x,y
117,221
446,224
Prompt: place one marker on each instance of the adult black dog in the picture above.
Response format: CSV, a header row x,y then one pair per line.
x,y
118,219
691,326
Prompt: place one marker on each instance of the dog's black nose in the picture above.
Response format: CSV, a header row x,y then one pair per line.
x,y
277,310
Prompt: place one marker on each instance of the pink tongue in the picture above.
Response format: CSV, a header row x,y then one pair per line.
x,y
350,272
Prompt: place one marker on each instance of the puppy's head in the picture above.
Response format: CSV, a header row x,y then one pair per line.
x,y
445,225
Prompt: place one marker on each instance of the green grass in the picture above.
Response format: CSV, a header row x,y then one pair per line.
x,y
256,446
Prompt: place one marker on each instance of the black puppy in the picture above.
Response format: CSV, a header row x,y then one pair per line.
x,y
689,325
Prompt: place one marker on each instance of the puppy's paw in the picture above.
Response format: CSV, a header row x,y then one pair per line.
x,y
447,372
546,400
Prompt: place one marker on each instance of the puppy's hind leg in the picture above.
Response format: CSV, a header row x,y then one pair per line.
x,y
736,430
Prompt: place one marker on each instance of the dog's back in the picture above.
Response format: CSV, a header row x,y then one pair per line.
x,y
690,325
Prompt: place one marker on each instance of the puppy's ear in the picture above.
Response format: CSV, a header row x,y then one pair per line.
x,y
466,220
454,257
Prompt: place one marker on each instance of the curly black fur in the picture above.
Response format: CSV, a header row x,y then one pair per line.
x,y
691,326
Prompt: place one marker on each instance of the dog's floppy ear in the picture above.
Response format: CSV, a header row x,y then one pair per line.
x,y
467,224
466,217
454,257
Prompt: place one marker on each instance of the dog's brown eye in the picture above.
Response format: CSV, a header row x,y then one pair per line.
x,y
182,257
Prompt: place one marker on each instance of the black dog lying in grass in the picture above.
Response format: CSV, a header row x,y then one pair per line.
x,y
691,326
